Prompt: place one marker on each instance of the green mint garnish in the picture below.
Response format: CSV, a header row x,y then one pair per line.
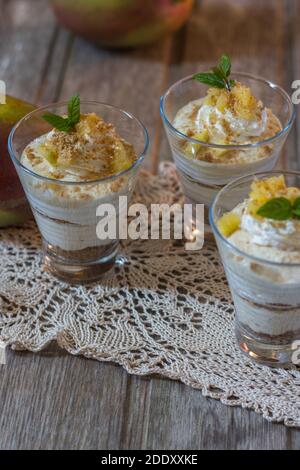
x,y
219,76
296,207
278,208
66,124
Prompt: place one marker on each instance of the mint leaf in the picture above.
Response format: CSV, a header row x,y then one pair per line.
x,y
225,65
218,72
278,208
296,212
60,123
209,78
296,204
219,76
66,124
74,110
296,207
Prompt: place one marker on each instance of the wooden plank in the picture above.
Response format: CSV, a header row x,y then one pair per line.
x,y
48,90
294,9
137,413
40,409
179,418
33,50
252,33
292,67
24,43
289,159
132,80
52,400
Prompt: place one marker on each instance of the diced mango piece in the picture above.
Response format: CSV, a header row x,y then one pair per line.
x,y
212,96
262,190
220,152
192,149
239,100
223,102
88,125
203,136
292,194
120,161
229,223
245,104
253,206
49,153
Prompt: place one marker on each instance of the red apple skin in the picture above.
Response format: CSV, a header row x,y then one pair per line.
x,y
122,23
14,208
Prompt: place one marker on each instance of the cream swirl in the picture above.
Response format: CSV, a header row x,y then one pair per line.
x,y
219,123
284,235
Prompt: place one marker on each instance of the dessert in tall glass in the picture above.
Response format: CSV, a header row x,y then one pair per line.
x,y
236,126
70,163
256,222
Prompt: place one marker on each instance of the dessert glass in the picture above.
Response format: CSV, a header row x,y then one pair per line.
x,y
65,211
202,180
266,294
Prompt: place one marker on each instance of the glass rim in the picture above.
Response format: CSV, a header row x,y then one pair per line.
x,y
231,146
217,232
27,116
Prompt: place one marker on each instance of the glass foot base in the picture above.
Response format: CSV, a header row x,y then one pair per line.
x,y
272,355
79,271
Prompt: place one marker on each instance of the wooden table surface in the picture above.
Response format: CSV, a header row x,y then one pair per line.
x,y
52,400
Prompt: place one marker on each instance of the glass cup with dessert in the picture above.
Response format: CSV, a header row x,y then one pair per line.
x,y
71,158
221,126
256,223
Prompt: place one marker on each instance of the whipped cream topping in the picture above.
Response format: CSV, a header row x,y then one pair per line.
x,y
93,150
220,124
223,126
41,166
267,239
284,235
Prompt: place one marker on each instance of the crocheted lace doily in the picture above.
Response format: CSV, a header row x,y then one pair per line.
x,y
165,311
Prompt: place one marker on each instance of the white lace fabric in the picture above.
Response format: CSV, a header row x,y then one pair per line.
x,y
164,311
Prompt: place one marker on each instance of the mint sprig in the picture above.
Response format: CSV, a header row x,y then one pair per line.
x,y
296,207
65,124
218,77
280,208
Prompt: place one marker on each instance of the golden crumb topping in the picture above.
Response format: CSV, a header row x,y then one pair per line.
x,y
269,198
92,150
263,191
239,101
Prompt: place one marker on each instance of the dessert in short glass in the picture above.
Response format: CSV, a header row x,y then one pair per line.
x,y
70,168
256,222
222,128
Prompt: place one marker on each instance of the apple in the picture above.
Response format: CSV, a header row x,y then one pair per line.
x,y
122,23
14,209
